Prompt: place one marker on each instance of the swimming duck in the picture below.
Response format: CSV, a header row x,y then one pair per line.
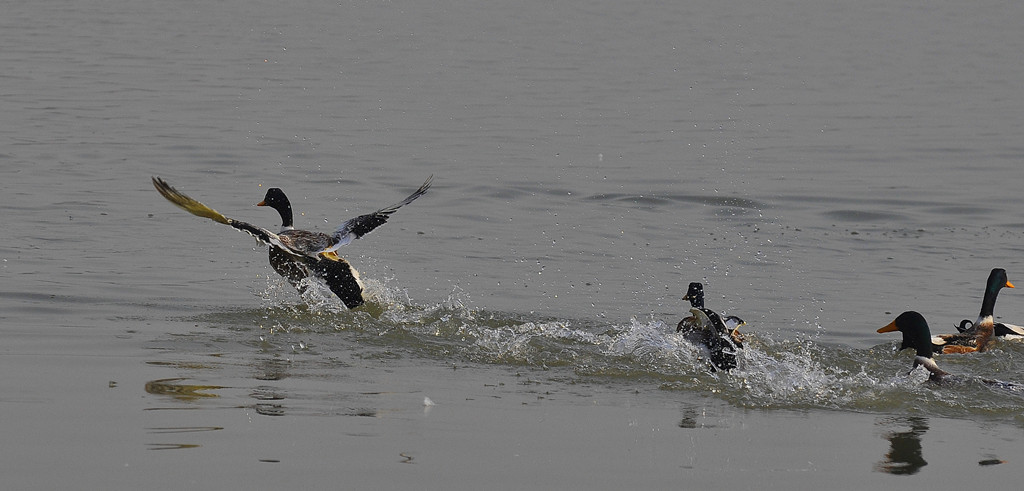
x,y
297,254
996,281
917,336
980,340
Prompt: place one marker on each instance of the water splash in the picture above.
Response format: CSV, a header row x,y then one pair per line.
x,y
791,372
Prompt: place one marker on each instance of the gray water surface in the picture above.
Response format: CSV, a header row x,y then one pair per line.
x,y
821,168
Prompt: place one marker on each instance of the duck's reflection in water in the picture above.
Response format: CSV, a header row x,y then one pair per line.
x,y
183,392
905,456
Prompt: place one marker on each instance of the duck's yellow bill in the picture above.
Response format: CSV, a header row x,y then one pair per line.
x,y
890,328
1009,285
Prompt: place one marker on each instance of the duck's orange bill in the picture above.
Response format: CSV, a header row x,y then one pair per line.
x,y
1009,285
890,328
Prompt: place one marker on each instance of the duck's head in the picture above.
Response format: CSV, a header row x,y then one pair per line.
x,y
997,280
916,333
695,294
276,199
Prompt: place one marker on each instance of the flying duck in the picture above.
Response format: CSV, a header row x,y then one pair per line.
x,y
297,254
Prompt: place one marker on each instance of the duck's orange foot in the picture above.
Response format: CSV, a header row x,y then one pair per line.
x,y
737,336
333,256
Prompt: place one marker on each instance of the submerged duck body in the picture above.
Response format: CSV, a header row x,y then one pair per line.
x,y
997,280
298,254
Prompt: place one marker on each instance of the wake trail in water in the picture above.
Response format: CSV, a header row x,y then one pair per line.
x,y
774,370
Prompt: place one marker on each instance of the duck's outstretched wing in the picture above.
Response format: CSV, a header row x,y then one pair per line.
x,y
364,224
187,203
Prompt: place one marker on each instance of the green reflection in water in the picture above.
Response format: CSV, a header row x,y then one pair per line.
x,y
183,392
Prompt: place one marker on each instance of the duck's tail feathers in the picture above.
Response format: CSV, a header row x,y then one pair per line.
x,y
185,202
193,206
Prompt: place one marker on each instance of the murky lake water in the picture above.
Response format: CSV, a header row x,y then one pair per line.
x,y
821,168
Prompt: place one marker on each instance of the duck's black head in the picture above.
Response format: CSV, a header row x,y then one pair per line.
x,y
695,294
916,334
996,281
276,199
